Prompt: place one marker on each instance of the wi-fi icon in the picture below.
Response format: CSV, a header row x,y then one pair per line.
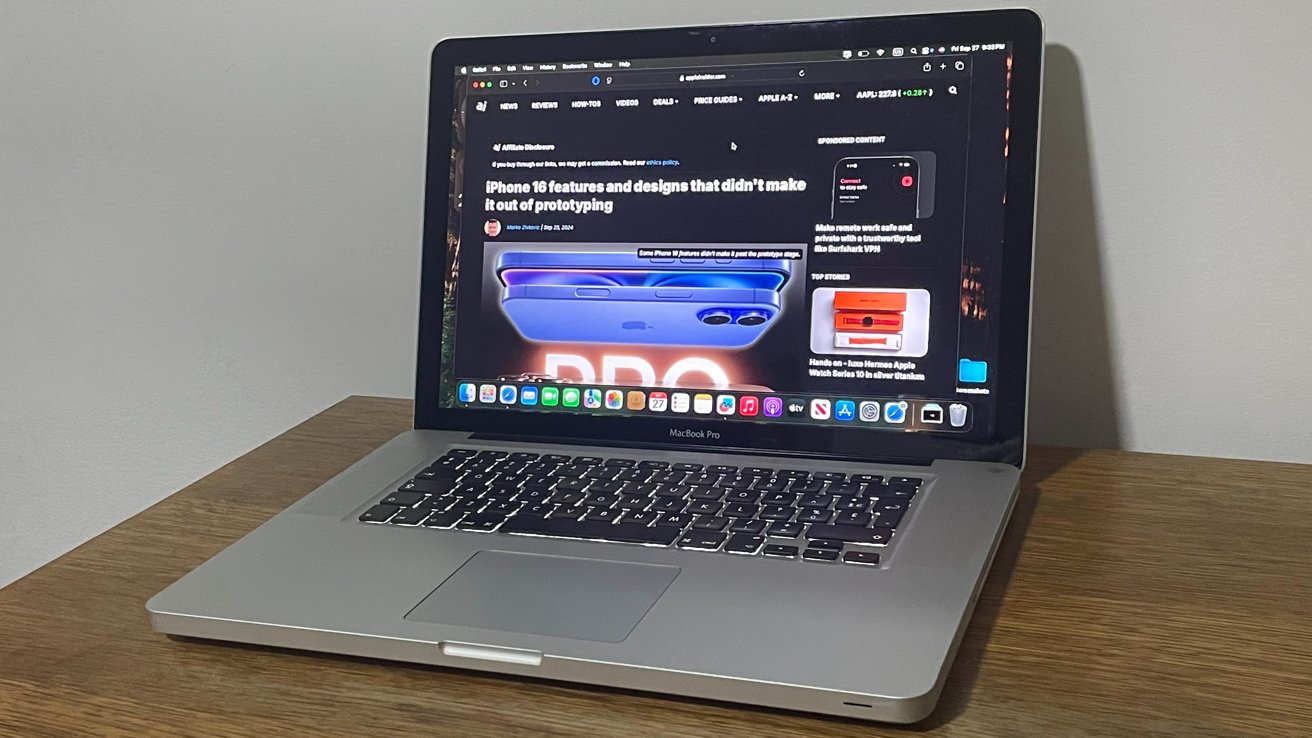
x,y
879,52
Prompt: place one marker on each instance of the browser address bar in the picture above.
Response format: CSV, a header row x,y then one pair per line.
x,y
670,78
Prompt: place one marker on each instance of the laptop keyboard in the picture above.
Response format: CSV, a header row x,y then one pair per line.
x,y
748,510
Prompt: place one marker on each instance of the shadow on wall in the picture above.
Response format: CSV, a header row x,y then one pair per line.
x,y
1073,388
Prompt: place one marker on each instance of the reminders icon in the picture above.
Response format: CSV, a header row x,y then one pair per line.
x,y
679,402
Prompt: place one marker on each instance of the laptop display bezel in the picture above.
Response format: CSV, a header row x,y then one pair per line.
x,y
1022,28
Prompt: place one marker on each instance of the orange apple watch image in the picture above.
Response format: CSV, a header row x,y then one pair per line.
x,y
871,320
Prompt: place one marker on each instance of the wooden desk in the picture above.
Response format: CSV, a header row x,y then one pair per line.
x,y
1133,595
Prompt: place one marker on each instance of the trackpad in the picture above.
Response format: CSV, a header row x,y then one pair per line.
x,y
547,595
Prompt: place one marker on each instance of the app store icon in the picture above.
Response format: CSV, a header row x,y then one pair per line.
x,y
845,410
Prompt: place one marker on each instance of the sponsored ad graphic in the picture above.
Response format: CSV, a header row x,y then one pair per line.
x,y
730,256
886,188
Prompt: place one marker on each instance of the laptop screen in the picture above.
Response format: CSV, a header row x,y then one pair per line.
x,y
810,238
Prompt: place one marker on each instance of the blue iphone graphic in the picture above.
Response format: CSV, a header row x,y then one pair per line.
x,y
603,297
645,315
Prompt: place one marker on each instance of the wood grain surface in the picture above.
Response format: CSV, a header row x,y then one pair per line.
x,y
1133,595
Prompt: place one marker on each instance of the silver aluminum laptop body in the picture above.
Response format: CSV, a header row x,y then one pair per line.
x,y
867,642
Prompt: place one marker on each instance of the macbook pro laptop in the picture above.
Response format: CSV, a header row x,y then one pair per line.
x,y
722,361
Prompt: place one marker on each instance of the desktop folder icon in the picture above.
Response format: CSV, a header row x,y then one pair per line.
x,y
973,372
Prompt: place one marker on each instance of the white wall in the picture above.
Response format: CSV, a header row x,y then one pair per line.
x,y
210,224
